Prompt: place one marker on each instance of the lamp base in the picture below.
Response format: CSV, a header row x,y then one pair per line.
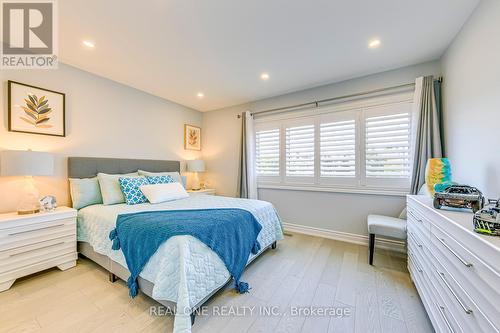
x,y
27,212
29,203
195,185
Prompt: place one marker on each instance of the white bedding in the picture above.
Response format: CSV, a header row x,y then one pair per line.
x,y
183,270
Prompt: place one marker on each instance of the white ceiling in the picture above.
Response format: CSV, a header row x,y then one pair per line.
x,y
177,48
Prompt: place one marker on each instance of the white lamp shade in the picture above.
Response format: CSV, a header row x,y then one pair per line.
x,y
26,163
196,166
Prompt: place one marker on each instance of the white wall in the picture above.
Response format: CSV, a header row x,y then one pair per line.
x,y
471,91
333,211
103,119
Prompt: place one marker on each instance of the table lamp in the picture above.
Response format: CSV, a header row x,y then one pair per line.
x,y
196,166
27,163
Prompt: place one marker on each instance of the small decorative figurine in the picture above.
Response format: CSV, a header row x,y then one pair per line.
x,y
487,220
459,196
48,203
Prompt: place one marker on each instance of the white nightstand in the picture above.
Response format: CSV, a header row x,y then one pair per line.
x,y
32,243
206,191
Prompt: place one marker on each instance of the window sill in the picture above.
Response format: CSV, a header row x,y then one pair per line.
x,y
310,188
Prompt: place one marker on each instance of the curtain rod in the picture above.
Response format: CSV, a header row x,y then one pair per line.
x,y
316,103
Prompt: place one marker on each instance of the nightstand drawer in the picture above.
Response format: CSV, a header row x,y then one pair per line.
x,y
32,243
35,233
20,257
206,191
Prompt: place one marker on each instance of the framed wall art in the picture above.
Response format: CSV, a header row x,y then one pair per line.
x,y
192,137
36,110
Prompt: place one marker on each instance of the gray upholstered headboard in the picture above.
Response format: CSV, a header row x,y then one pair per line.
x,y
86,167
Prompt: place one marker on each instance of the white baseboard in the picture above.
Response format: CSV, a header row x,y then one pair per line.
x,y
388,244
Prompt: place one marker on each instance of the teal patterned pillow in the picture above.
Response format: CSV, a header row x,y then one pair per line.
x,y
160,179
131,189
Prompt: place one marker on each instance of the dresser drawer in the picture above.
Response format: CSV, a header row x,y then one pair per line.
x,y
38,266
415,237
34,233
468,276
439,314
473,268
20,257
462,305
419,221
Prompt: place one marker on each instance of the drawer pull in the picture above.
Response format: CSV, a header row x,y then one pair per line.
x,y
447,322
37,249
415,263
412,235
465,263
34,230
464,307
416,218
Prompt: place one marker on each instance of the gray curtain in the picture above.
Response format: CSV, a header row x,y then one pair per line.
x,y
247,183
243,167
428,130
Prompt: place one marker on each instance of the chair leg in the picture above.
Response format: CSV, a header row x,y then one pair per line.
x,y
372,247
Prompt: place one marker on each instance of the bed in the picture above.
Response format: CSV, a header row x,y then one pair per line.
x,y
183,273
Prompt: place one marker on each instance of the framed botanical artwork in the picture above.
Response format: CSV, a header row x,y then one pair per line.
x,y
192,137
36,110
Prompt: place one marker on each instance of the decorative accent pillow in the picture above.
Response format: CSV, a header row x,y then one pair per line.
x,y
160,179
131,189
110,187
157,193
84,192
175,176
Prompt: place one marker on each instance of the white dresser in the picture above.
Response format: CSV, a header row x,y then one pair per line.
x,y
31,243
456,271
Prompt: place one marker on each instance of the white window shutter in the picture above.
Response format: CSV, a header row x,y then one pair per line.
x,y
267,152
387,146
299,151
338,149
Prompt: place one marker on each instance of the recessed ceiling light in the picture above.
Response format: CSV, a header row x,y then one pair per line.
x,y
264,76
200,95
374,43
88,43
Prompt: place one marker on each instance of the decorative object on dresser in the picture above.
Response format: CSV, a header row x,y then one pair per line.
x,y
459,196
36,110
205,191
192,137
196,166
456,271
27,163
437,171
487,220
32,243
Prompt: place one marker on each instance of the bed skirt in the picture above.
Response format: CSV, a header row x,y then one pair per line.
x,y
86,250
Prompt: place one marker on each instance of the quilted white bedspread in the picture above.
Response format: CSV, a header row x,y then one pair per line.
x,y
184,270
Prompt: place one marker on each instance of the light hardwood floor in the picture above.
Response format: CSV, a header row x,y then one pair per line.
x,y
303,272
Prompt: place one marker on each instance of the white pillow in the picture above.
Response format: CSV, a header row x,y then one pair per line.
x,y
110,187
175,175
157,193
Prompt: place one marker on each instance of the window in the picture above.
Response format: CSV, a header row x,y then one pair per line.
x,y
267,155
338,149
299,155
353,146
388,146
